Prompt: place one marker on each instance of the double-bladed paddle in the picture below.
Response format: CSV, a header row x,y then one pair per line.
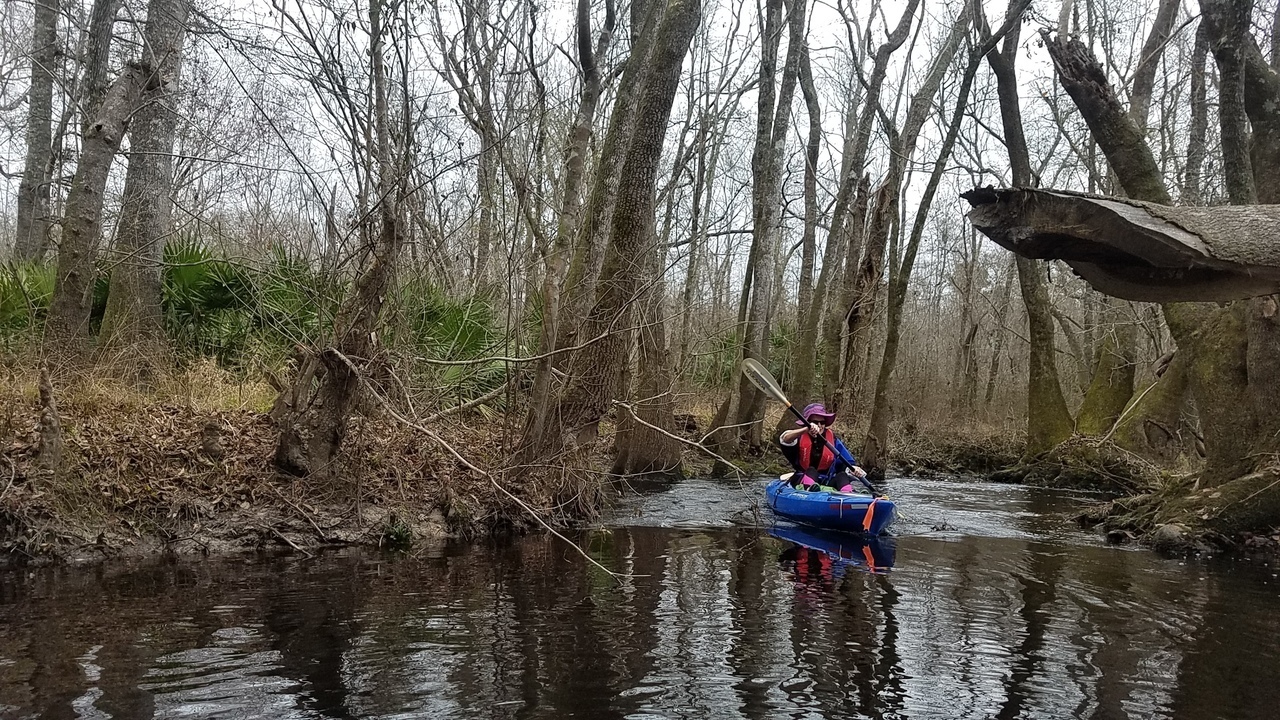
x,y
762,379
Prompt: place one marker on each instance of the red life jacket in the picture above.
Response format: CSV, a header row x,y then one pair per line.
x,y
806,450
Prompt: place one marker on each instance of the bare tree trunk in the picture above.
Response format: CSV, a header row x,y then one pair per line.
x,y
704,177
802,382
850,240
968,391
852,166
866,282
593,370
1048,420
1199,121
570,220
486,189
1111,388
1112,127
590,244
97,51
1215,343
32,222
1144,76
1002,312
875,450
134,321
67,325
745,405
648,449
966,359
772,127
1228,27
1152,426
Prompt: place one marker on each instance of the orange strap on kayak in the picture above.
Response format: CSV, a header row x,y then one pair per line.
x,y
871,513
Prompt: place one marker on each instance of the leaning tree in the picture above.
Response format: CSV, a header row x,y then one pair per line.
x,y
1143,248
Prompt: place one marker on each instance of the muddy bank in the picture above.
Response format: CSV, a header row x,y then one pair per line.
x,y
136,476
1080,463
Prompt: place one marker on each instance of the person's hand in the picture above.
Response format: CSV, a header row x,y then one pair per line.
x,y
857,472
814,430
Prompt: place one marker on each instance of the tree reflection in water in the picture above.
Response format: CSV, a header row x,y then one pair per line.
x,y
701,622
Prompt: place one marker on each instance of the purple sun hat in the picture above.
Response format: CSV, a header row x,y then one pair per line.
x,y
818,409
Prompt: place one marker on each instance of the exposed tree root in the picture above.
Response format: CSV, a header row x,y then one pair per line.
x,y
1243,513
1085,464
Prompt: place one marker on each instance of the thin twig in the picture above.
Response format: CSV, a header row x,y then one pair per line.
x,y
323,537
291,543
700,446
741,474
1127,410
727,427
469,465
471,403
13,474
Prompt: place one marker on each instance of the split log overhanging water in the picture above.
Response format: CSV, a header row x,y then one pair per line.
x,y
1137,250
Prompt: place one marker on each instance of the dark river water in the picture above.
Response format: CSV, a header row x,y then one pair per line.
x,y
987,603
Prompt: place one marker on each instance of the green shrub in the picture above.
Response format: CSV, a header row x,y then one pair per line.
x,y
26,290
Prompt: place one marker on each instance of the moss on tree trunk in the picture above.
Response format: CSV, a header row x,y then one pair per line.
x,y
1109,392
1151,427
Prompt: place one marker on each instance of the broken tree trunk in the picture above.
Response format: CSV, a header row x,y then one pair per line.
x,y
1136,250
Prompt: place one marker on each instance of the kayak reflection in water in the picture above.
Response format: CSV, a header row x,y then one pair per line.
x,y
818,463
818,559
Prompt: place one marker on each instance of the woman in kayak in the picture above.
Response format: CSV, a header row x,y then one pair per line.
x,y
814,462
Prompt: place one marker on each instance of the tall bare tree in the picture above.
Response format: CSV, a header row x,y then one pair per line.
x,y
108,112
32,223
1048,420
594,370
849,214
875,449
569,222
865,283
774,94
134,321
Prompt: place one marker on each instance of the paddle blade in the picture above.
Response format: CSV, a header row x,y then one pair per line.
x,y
761,378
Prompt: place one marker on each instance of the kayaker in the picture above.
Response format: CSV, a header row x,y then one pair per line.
x,y
814,463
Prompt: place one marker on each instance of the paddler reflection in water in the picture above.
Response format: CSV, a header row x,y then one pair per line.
x,y
818,562
816,466
813,572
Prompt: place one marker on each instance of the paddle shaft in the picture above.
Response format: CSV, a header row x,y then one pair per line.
x,y
830,447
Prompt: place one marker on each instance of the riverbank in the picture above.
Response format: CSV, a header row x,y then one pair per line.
x,y
187,469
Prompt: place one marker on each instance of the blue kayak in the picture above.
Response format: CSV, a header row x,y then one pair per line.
x,y
849,512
